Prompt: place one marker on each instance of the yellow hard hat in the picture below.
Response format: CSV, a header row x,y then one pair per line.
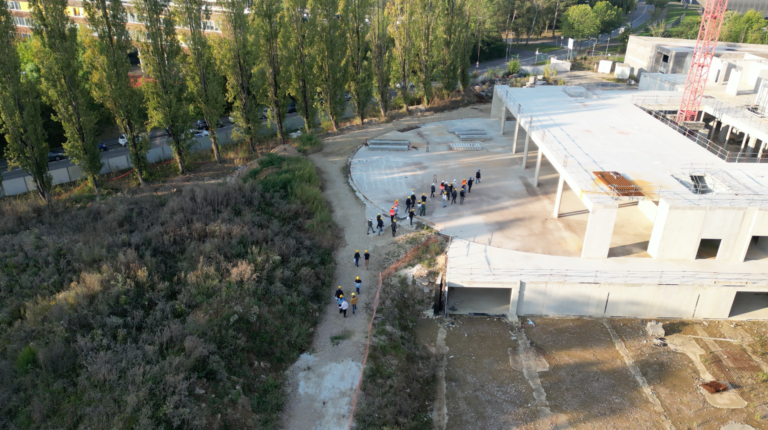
x,y
358,277
339,286
341,295
353,294
366,250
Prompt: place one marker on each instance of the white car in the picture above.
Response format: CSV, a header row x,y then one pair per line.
x,y
199,133
122,140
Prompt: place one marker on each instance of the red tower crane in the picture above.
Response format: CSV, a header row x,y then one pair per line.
x,y
709,33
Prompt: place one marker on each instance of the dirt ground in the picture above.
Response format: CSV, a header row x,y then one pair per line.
x,y
571,373
321,384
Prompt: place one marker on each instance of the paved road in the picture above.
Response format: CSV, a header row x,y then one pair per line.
x,y
639,16
157,138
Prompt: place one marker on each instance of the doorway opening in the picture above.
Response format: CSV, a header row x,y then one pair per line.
x,y
749,305
708,249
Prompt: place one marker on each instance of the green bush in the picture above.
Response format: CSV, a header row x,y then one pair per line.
x,y
180,310
309,141
26,360
513,67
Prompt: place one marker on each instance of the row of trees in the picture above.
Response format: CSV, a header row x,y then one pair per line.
x,y
268,52
749,27
527,18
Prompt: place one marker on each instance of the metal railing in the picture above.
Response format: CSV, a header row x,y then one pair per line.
x,y
718,108
712,147
474,275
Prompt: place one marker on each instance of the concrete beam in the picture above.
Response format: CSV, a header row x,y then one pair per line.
x,y
597,240
538,167
558,197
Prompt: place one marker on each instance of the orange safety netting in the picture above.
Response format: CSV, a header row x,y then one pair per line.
x,y
383,275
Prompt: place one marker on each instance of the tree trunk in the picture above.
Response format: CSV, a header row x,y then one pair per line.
x,y
42,192
182,167
554,23
214,141
95,184
251,145
334,122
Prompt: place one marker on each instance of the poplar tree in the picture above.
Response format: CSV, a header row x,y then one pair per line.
x,y
465,40
358,26
401,19
380,54
63,84
301,58
332,65
20,119
161,58
106,60
268,21
451,19
424,28
236,57
205,85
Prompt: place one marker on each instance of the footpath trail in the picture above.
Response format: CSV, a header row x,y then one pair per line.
x,y
322,383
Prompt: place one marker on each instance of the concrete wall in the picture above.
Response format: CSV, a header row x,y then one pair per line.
x,y
628,300
640,54
678,230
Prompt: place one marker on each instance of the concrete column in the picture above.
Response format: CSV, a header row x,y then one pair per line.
x,y
715,128
525,148
727,134
538,167
503,119
558,197
752,145
597,241
762,149
517,130
744,142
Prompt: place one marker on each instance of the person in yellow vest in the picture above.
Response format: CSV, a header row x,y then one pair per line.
x,y
353,302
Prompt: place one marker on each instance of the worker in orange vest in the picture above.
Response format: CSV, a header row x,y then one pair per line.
x,y
392,214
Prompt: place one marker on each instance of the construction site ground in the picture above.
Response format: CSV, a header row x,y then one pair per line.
x,y
585,373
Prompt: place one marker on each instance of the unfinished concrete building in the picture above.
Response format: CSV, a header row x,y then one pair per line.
x,y
707,204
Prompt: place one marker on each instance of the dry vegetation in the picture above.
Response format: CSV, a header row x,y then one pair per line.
x,y
162,311
401,373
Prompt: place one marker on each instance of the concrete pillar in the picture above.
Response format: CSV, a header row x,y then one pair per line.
x,y
727,134
744,142
597,241
752,145
503,119
538,167
527,141
517,130
558,197
762,149
715,129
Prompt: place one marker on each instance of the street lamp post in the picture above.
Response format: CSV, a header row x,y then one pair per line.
x,y
479,39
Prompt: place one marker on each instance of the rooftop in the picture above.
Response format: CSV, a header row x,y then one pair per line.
x,y
610,133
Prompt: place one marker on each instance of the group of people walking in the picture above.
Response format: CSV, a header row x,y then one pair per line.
x,y
342,301
449,191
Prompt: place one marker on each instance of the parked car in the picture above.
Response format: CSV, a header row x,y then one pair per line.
x,y
103,147
202,125
265,113
292,107
56,156
122,140
199,133
347,97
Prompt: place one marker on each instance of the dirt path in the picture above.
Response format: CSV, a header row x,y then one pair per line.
x,y
321,384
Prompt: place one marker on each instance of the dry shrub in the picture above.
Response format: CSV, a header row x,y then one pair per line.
x,y
133,303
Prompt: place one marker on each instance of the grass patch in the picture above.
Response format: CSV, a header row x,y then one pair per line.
x,y
180,310
400,377
341,337
542,47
